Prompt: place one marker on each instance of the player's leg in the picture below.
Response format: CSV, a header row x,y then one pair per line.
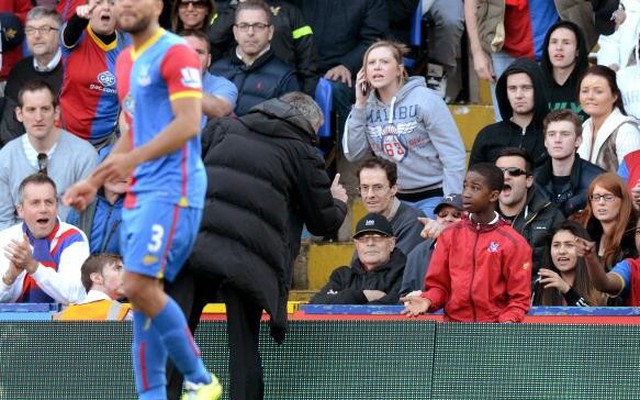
x,y
158,242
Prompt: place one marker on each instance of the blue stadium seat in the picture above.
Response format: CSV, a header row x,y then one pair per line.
x,y
324,98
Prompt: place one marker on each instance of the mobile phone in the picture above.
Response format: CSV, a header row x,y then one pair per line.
x,y
364,88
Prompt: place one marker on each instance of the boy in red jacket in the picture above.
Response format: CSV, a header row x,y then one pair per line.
x,y
481,268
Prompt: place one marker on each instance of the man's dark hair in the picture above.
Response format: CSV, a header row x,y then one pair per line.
x,y
96,263
253,5
38,178
390,169
34,86
563,115
493,175
196,33
518,152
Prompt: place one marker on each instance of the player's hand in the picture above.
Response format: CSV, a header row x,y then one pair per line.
x,y
339,73
414,305
373,295
551,279
85,11
19,253
338,191
483,66
80,195
431,229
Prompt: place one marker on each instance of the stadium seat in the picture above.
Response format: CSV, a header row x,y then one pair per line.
x,y
324,93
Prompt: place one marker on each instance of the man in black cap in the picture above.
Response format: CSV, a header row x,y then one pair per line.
x,y
375,276
448,211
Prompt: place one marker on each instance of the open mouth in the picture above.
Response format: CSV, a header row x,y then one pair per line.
x,y
506,189
42,221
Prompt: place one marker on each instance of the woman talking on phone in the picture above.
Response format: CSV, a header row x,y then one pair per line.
x,y
400,119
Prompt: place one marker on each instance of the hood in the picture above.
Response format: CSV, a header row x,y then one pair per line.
x,y
582,60
278,118
541,106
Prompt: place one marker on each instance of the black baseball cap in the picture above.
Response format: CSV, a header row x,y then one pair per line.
x,y
11,31
373,223
453,200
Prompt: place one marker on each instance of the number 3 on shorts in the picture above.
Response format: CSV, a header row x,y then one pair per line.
x,y
157,233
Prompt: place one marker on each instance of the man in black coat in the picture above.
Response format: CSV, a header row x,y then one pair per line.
x,y
265,180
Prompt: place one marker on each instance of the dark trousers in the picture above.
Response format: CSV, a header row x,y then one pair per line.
x,y
192,292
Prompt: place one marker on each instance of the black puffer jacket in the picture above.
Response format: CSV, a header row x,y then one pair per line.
x,y
265,180
573,196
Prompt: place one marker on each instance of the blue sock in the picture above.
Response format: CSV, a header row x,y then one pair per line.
x,y
149,359
172,327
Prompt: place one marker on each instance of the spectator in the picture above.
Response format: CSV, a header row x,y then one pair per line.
x,y
292,42
343,30
622,282
498,34
374,277
480,270
627,79
564,177
42,256
530,213
609,134
616,50
44,64
43,148
192,14
402,121
13,15
101,220
564,281
610,219
378,190
448,211
255,70
564,60
101,276
88,99
219,95
523,106
265,181
629,171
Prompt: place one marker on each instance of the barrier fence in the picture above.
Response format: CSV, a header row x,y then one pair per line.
x,y
353,358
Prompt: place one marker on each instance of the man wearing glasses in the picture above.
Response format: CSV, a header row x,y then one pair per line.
x,y
531,214
375,276
255,70
43,148
44,64
377,178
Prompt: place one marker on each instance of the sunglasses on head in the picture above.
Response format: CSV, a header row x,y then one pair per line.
x,y
514,171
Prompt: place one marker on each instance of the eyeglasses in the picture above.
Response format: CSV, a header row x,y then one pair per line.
x,y
376,189
43,161
514,171
606,197
375,238
195,4
43,30
454,213
257,27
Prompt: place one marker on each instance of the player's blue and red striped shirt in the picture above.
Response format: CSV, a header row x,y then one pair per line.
x,y
163,69
88,98
526,23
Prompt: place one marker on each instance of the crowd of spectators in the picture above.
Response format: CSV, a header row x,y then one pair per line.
x,y
566,137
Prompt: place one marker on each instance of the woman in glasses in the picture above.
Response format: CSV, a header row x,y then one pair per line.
x,y
563,280
610,218
401,120
192,14
609,134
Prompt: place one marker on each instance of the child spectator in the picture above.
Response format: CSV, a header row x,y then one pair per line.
x,y
565,282
480,270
